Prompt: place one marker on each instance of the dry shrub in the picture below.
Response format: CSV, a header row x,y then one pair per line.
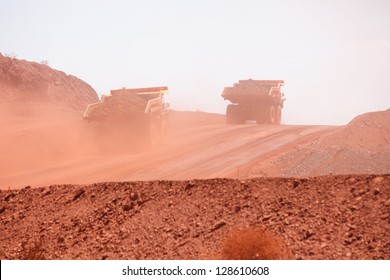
x,y
253,244
32,252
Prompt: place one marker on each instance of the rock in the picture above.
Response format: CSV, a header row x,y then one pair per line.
x,y
351,181
9,196
218,225
47,192
134,196
266,218
308,234
79,193
377,180
128,207
353,208
189,186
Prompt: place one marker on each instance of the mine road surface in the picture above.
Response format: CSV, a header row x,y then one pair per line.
x,y
196,152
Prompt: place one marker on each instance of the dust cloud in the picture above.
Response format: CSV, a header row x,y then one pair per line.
x,y
56,146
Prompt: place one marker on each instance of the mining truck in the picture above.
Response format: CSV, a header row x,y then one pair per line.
x,y
131,114
256,100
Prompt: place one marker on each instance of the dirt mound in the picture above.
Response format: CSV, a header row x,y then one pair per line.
x,y
370,131
331,217
122,105
361,147
27,87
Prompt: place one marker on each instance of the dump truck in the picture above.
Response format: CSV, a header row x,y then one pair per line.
x,y
256,100
132,113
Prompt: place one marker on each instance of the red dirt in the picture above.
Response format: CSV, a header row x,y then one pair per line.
x,y
31,86
175,202
362,146
331,217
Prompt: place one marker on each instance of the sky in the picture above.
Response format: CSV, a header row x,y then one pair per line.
x,y
334,55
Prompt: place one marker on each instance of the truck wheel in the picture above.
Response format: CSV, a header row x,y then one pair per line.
x,y
164,132
231,114
262,115
240,116
279,115
272,115
153,137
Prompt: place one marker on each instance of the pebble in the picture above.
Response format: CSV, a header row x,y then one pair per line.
x,y
377,180
351,181
218,225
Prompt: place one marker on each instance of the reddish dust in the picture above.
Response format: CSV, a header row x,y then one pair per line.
x,y
59,147
63,148
52,145
40,147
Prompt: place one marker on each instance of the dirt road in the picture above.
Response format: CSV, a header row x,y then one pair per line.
x,y
200,151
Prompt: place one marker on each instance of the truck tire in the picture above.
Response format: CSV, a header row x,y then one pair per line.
x,y
240,116
272,115
231,114
234,114
262,115
279,115
153,137
164,132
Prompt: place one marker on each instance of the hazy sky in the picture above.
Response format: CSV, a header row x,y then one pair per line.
x,y
334,55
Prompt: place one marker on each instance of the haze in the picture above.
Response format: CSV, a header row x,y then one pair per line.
x,y
333,55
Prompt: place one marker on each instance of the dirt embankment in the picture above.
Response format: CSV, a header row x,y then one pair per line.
x,y
370,131
360,147
330,217
28,89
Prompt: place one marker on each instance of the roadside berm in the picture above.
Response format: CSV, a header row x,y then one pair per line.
x,y
330,217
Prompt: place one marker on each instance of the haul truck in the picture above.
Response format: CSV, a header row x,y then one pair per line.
x,y
132,113
256,100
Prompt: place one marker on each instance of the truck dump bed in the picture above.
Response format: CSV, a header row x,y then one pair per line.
x,y
252,90
122,103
